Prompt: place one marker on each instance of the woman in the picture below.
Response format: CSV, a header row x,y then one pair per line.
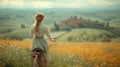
x,y
39,44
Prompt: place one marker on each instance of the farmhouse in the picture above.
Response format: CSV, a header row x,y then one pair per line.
x,y
81,22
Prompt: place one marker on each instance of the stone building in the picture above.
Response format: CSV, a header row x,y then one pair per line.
x,y
77,22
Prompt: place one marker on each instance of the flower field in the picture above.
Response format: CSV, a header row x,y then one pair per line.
x,y
16,53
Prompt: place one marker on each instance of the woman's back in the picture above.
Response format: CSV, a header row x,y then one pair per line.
x,y
42,30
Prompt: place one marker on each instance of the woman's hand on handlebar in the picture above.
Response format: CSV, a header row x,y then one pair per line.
x,y
53,39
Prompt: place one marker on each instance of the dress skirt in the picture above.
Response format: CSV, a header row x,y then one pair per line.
x,y
42,44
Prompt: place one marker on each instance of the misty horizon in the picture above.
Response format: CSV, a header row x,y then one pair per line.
x,y
45,4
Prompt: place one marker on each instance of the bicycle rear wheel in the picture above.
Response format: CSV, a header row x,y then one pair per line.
x,y
36,62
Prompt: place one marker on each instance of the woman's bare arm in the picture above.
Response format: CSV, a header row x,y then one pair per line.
x,y
48,34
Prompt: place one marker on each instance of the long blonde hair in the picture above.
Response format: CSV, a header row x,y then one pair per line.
x,y
38,17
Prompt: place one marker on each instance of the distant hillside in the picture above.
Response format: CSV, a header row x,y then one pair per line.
x,y
12,19
17,16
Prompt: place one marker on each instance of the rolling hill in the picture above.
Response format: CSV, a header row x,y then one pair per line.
x,y
12,19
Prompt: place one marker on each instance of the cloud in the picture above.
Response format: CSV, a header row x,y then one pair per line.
x,y
12,3
55,3
101,2
41,4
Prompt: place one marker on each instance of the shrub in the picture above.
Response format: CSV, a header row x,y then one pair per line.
x,y
105,38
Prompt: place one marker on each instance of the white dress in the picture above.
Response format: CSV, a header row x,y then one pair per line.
x,y
40,42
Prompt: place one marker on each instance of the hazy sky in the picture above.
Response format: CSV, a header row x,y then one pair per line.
x,y
57,3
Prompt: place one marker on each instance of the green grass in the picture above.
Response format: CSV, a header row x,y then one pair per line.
x,y
80,33
17,34
14,56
